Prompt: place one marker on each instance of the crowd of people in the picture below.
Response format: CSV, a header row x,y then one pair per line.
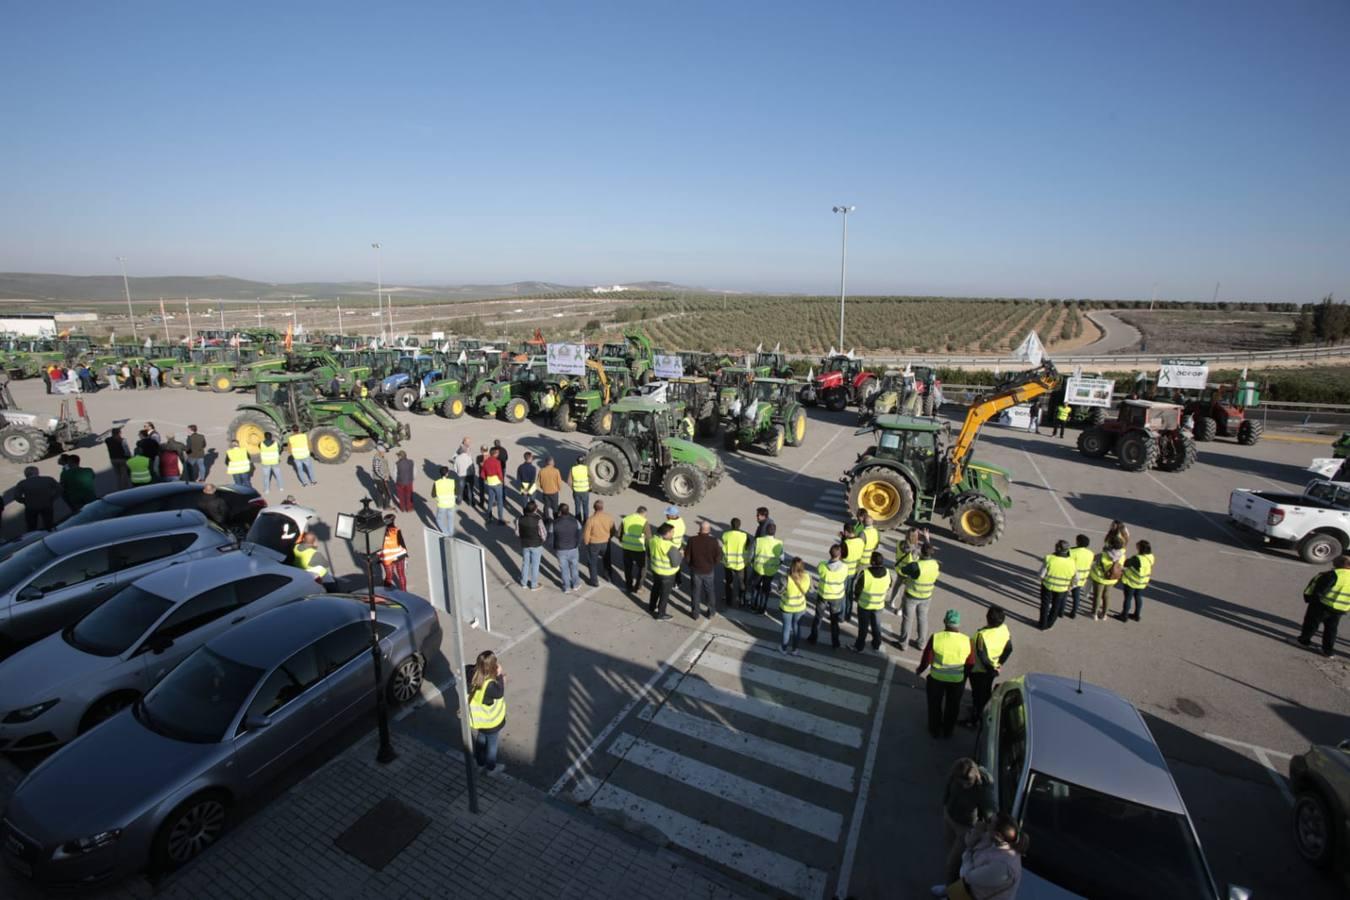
x,y
81,378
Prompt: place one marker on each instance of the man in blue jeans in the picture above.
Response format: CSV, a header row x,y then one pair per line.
x,y
567,544
530,530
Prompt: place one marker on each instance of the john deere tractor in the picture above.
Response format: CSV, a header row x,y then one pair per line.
x,y
769,416
771,364
698,396
585,401
446,396
645,449
337,426
505,393
914,472
1145,434
915,391
634,354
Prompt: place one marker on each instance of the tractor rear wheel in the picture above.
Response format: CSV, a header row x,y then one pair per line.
x,y
1205,428
731,441
977,520
1096,417
174,379
1177,451
363,444
21,444
1094,443
774,445
867,391
1250,432
807,396
1137,450
562,418
884,494
610,472
248,429
836,400
796,427
601,421
684,484
403,399
516,410
926,403
451,408
222,383
330,445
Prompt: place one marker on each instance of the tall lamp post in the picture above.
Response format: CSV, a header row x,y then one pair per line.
x,y
368,521
843,270
126,288
379,283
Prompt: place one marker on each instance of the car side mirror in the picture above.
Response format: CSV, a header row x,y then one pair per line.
x,y
158,643
29,593
255,723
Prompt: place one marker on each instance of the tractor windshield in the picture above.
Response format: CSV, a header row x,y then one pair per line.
x,y
635,427
765,390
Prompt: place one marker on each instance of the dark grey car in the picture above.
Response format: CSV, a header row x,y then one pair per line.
x,y
155,783
55,580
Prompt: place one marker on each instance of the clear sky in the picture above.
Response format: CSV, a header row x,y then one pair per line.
x,y
1070,149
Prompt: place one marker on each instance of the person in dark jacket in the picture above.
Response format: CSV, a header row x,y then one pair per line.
x,y
530,529
77,483
762,521
118,454
405,474
213,505
196,454
38,493
704,552
527,479
567,545
148,446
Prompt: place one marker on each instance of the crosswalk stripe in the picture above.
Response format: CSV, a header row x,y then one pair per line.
x,y
822,531
724,736
763,865
865,674
729,787
767,710
836,697
807,550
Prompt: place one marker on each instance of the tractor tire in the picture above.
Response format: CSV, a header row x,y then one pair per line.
x,y
190,385
1096,417
222,384
684,484
1180,452
404,398
807,396
329,445
516,410
1250,432
610,472
451,408
774,445
1094,443
1205,428
248,428
21,444
363,444
601,422
869,390
796,428
731,441
885,494
836,401
1320,548
1137,450
174,379
926,406
562,418
977,520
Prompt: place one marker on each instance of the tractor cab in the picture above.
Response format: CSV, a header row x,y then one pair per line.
x,y
918,444
1153,415
289,392
771,364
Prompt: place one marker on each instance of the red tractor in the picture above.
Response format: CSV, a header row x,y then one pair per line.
x,y
841,380
1145,434
1216,415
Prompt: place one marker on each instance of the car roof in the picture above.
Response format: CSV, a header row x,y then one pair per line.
x,y
133,496
72,540
274,636
1096,739
908,423
181,581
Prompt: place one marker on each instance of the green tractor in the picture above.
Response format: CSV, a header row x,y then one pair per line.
x,y
645,448
322,366
771,364
337,426
635,354
586,402
698,396
446,396
504,392
769,415
915,391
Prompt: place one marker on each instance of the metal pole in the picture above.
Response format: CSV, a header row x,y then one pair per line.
x,y
222,316
379,285
843,280
188,305
259,299
126,287
458,664
386,752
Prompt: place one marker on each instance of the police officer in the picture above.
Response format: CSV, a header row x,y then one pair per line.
x,y
1134,578
871,587
1056,576
443,490
634,532
993,648
1328,597
580,480
950,654
1081,554
734,545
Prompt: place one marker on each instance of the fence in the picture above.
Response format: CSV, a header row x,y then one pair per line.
x,y
1124,360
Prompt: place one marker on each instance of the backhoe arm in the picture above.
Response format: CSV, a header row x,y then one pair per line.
x,y
1018,389
601,377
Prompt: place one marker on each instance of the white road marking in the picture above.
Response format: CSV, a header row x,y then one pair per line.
x,y
1263,755
860,806
774,869
792,684
767,710
1063,510
627,708
1252,554
1224,529
729,787
816,455
821,532
726,737
865,674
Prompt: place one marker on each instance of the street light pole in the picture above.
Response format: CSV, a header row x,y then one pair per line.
x,y
368,521
379,284
126,287
843,270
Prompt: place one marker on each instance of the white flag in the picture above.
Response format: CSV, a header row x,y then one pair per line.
x,y
463,357
1031,349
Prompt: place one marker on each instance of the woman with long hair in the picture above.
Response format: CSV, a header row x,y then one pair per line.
x,y
792,603
967,800
991,866
487,707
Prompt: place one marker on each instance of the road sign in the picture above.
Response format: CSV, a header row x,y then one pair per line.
x,y
668,366
567,359
1184,374
1089,391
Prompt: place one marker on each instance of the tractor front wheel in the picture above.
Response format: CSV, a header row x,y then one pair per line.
x,y
884,494
977,520
774,445
516,410
329,445
562,418
363,444
807,396
836,400
222,384
1250,432
796,428
21,444
174,379
1094,443
684,484
248,429
403,399
451,408
1137,451
601,421
1177,453
1205,428
610,472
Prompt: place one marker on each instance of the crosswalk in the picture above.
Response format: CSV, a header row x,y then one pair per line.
x,y
819,528
747,758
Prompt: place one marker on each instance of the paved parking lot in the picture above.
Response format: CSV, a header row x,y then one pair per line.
x,y
824,777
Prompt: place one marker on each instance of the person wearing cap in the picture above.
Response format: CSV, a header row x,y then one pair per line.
x,y
394,555
676,524
950,655
871,587
579,479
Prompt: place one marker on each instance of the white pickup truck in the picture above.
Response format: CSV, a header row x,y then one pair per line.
x,y
1316,522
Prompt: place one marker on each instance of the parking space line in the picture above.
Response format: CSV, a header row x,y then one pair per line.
x,y
1263,755
864,785
1063,510
815,456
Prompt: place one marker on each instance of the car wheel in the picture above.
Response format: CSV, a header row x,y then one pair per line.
x,y
405,682
192,827
1313,829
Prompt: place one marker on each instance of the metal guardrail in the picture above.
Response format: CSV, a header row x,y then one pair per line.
x,y
950,391
1122,359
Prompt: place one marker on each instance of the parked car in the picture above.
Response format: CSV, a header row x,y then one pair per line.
x,y
278,527
69,682
155,783
1076,765
62,576
1321,782
1316,523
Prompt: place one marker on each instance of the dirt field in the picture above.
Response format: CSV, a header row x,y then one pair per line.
x,y
1209,330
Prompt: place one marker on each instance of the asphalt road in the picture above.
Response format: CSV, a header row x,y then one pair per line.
x,y
604,699
1116,335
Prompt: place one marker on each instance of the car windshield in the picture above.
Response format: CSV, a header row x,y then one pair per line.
x,y
199,699
1087,839
112,628
23,563
94,512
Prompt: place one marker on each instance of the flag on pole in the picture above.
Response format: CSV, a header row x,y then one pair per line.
x,y
290,338
463,357
1031,349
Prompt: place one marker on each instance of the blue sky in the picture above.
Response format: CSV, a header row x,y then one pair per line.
x,y
1062,149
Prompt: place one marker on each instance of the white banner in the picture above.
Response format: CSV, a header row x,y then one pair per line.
x,y
1088,391
567,359
668,366
1031,349
1186,374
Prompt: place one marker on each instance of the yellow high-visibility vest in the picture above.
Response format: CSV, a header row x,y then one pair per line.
x,y
874,590
921,588
1139,578
269,454
302,556
139,467
1101,569
299,446
236,461
658,556
994,640
733,549
444,492
581,478
951,649
1059,573
631,531
1082,563
768,555
794,595
677,524
1338,595
832,582
871,537
1063,412
853,552
483,717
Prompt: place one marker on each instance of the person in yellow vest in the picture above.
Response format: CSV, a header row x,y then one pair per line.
x,y
486,698
1328,597
1135,576
833,575
269,459
634,533
1081,554
238,466
1056,577
853,558
1106,570
735,547
677,525
394,555
1061,419
792,603
863,528
951,656
306,555
580,481
139,467
908,551
993,648
663,557
444,491
871,587
921,579
764,563
298,443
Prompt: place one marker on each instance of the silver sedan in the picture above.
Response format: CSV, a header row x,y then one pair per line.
x,y
155,783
